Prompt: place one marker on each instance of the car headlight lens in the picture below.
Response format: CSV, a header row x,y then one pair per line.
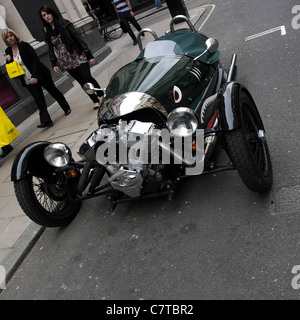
x,y
182,122
58,154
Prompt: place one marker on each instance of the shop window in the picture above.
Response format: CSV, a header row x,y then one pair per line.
x,y
7,94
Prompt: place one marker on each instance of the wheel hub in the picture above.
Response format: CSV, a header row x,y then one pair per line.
x,y
55,190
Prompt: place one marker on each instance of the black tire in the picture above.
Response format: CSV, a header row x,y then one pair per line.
x,y
44,202
248,148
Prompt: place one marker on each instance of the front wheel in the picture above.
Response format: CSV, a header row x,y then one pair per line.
x,y
248,148
45,202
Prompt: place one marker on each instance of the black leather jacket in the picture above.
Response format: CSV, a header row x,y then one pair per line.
x,y
31,60
78,43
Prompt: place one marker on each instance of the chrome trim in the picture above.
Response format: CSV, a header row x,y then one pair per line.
x,y
196,72
127,181
261,135
57,154
177,113
143,31
129,102
182,17
231,69
211,45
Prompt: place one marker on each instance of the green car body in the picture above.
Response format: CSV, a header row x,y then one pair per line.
x,y
167,74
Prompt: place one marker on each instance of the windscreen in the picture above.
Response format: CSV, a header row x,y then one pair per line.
x,y
162,48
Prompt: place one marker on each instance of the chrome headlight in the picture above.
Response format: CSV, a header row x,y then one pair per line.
x,y
58,154
182,122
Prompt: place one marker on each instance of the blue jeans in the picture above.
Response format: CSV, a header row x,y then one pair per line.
x,y
158,4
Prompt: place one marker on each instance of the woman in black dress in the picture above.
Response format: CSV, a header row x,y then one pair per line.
x,y
68,49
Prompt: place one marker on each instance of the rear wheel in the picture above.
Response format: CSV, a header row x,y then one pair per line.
x,y
248,148
45,201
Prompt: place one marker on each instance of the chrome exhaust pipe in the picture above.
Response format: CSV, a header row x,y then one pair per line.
x,y
232,69
210,142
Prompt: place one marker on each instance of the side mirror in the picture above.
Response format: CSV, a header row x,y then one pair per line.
x,y
211,45
89,88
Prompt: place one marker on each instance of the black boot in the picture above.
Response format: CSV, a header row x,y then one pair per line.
x,y
6,150
65,106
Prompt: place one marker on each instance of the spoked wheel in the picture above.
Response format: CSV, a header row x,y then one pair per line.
x,y
45,201
249,150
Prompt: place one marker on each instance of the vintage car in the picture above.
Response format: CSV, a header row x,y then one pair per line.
x,y
166,115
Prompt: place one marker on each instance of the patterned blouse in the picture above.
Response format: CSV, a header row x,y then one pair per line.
x,y
67,60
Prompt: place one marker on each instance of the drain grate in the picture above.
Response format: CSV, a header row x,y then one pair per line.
x,y
285,200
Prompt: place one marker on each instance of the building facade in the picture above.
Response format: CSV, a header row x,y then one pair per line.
x,y
23,17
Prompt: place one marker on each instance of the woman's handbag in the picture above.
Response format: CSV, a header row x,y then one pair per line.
x,y
8,132
14,69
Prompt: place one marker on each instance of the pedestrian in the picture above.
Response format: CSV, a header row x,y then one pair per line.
x,y
125,15
158,4
36,76
68,49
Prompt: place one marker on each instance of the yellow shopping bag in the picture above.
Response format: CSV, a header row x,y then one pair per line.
x,y
14,69
8,132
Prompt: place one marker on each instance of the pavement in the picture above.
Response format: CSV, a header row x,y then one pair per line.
x,y
18,233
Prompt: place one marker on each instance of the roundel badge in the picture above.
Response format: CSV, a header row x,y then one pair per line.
x,y
177,94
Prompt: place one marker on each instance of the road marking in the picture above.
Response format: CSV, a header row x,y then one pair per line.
x,y
281,29
212,9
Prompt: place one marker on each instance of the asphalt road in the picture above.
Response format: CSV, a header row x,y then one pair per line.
x,y
216,239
